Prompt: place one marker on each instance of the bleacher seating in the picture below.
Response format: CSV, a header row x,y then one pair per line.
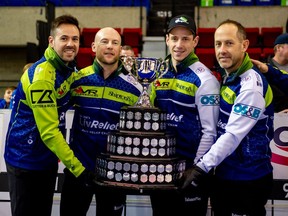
x,y
207,57
253,35
119,30
255,52
133,37
266,52
85,57
259,37
88,35
261,41
206,37
269,34
259,47
136,51
130,36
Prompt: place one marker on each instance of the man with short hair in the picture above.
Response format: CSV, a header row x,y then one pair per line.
x,y
127,51
189,93
279,61
35,139
280,58
98,93
241,156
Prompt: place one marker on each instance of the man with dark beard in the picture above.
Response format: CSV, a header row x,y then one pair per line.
x,y
35,140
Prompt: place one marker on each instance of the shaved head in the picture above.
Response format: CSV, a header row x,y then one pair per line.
x,y
107,47
105,32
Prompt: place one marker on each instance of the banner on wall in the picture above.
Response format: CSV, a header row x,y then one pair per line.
x,y
4,121
279,146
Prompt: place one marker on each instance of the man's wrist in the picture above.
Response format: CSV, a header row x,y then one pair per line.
x,y
202,166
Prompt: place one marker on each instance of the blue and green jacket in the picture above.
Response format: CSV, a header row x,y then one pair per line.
x,y
278,80
190,97
245,127
35,139
3,104
97,103
277,77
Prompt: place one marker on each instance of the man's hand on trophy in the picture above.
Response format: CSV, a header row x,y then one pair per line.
x,y
192,177
88,178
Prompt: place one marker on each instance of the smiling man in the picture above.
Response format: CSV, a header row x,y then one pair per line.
x,y
98,93
189,93
241,156
35,137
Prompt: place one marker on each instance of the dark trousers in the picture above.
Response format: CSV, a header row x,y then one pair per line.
x,y
31,192
193,201
241,197
76,198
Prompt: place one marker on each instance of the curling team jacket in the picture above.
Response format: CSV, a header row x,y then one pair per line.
x,y
3,104
277,77
245,127
280,96
190,97
97,104
35,138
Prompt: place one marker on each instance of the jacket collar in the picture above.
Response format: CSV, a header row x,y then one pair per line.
x,y
189,60
53,58
99,69
246,65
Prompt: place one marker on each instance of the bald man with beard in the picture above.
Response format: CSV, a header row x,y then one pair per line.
x,y
98,93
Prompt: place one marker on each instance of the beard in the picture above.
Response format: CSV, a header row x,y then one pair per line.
x,y
105,61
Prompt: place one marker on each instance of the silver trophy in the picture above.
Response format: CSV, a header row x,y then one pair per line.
x,y
146,71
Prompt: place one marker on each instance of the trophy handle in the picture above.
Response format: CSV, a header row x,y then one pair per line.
x,y
129,64
162,68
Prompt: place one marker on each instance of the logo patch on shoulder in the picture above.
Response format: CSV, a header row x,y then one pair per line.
x,y
210,100
247,111
41,96
199,70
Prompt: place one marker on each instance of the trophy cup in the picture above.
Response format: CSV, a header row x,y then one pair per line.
x,y
141,154
146,71
143,115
